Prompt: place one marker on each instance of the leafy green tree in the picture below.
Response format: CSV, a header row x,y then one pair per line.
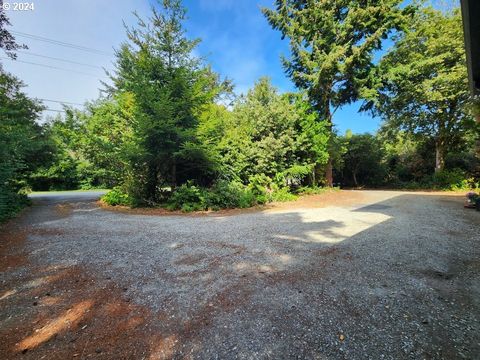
x,y
23,143
268,133
270,124
7,40
312,138
108,139
332,45
362,162
170,87
424,88
67,169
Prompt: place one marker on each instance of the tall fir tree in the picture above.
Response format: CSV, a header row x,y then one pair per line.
x,y
332,44
170,86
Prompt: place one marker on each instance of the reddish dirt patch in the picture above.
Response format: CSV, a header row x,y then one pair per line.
x,y
11,247
64,314
328,198
190,259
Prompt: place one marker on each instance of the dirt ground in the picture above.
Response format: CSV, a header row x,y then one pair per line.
x,y
342,275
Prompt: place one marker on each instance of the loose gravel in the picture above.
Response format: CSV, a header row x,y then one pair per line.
x,y
393,276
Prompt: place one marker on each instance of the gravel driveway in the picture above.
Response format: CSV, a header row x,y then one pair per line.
x,y
387,275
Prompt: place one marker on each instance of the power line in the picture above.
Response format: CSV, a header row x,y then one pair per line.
x,y
59,59
60,102
61,43
54,110
52,67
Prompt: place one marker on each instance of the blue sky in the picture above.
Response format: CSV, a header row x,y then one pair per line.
x,y
236,40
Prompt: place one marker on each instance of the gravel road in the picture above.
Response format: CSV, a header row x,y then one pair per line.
x,y
387,275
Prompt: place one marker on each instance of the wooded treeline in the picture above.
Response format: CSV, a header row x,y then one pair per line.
x,y
170,131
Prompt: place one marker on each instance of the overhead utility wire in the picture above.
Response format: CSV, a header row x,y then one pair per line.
x,y
53,67
59,59
55,110
60,102
61,43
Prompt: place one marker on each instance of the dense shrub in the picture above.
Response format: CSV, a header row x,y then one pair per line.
x,y
455,179
283,194
117,197
188,197
226,194
11,203
259,185
313,190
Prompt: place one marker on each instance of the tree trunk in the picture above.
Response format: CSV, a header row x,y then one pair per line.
x,y
152,183
329,172
174,175
439,155
478,142
329,168
355,178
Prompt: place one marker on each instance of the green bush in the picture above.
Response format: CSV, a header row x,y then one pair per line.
x,y
188,197
283,194
224,195
454,179
259,185
247,199
117,197
295,175
312,190
11,203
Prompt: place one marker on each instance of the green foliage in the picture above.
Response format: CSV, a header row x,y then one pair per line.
x,y
259,185
117,196
23,143
296,174
313,190
170,88
188,197
226,195
282,195
222,195
454,179
267,133
363,161
332,45
107,142
423,83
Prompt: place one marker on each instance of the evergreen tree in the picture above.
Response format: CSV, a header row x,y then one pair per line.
x,y
170,87
332,45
